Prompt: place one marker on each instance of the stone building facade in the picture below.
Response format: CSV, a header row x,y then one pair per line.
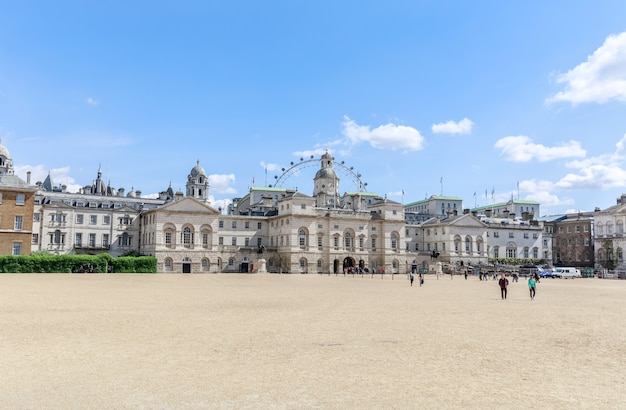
x,y
16,209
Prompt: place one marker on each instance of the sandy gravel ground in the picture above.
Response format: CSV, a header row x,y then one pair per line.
x,y
308,342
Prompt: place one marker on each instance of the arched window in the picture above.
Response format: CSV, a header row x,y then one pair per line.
x,y
187,237
348,240
168,264
511,250
302,238
394,241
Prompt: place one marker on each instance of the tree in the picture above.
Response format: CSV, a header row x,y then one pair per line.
x,y
605,257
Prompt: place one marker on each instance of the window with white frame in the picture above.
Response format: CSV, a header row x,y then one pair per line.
x,y
19,199
17,225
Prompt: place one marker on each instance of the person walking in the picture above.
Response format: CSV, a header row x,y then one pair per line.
x,y
532,285
421,279
504,284
411,279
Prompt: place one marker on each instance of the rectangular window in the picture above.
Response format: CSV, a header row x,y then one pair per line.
x,y
106,220
36,217
220,224
259,225
19,199
234,224
302,206
511,235
373,244
205,239
17,248
79,218
319,242
259,242
525,235
336,242
17,225
92,240
168,238
105,240
234,241
93,219
247,225
78,240
247,241
220,240
35,240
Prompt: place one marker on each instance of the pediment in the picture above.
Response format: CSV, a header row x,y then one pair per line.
x,y
190,205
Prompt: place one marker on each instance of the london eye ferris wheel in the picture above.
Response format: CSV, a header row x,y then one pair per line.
x,y
300,174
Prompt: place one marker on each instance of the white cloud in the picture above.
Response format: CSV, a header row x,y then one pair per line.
x,y
92,102
309,153
594,176
38,173
221,204
602,171
462,127
542,191
600,79
269,167
522,149
389,136
221,184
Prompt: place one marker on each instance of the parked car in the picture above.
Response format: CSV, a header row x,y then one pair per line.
x,y
546,273
566,273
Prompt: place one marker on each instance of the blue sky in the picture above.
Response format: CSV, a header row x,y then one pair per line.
x,y
519,99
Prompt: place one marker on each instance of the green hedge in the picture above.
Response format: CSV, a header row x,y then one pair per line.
x,y
76,263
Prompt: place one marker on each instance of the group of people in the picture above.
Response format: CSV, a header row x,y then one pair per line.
x,y
503,282
420,279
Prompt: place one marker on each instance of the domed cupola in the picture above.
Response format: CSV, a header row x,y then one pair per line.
x,y
6,164
198,183
326,183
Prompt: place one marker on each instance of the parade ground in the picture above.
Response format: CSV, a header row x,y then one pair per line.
x,y
268,341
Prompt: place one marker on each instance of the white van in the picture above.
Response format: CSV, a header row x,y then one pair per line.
x,y
566,273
